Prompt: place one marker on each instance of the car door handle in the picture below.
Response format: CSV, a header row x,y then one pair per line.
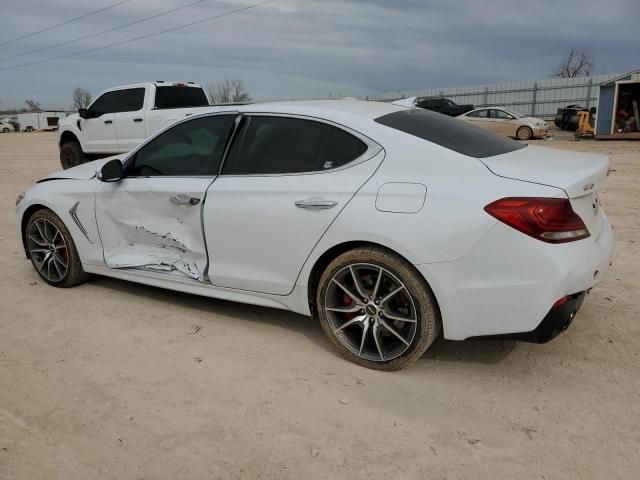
x,y
316,204
137,119
184,199
108,121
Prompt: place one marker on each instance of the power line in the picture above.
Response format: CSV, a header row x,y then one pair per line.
x,y
84,37
179,27
64,23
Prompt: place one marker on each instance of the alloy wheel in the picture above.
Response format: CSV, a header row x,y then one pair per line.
x,y
371,312
48,250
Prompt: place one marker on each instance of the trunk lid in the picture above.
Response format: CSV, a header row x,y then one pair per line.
x,y
580,175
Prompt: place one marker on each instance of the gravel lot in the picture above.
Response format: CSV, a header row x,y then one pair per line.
x,y
113,380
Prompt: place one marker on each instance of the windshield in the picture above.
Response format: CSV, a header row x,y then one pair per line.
x,y
180,96
514,113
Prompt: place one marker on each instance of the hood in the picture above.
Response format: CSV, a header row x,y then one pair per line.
x,y
576,173
86,171
69,120
532,120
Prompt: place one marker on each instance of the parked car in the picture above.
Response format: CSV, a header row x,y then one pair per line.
x,y
384,223
121,118
435,104
507,122
6,127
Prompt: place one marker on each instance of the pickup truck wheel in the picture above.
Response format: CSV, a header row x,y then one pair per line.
x,y
71,155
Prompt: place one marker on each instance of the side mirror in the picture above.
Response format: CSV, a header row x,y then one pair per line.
x,y
111,171
83,112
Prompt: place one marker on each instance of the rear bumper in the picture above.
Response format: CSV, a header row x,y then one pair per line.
x,y
553,324
509,282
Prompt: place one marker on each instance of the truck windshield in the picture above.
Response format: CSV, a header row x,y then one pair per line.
x,y
177,96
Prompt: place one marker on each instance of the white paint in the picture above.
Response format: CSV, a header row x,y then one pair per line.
x,y
396,197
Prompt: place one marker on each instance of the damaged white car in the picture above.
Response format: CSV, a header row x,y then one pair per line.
x,y
387,224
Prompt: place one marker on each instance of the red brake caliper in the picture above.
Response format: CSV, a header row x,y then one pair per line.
x,y
348,301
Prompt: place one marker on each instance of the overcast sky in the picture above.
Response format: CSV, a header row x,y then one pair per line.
x,y
310,48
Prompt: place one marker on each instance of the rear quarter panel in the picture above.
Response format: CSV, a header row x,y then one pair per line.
x,y
452,219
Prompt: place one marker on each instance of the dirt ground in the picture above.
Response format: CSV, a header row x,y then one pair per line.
x,y
112,380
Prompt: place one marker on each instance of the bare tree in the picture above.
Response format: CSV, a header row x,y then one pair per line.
x,y
228,91
577,63
81,98
33,105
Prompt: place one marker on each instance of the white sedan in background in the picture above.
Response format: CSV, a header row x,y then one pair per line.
x,y
387,224
507,122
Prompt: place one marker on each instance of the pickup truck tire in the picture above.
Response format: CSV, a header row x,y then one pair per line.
x,y
71,155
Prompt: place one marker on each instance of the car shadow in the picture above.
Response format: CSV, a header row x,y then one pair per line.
x,y
468,351
240,311
487,352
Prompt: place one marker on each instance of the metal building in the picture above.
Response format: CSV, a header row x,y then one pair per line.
x,y
618,115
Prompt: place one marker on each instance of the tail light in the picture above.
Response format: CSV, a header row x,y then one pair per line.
x,y
551,220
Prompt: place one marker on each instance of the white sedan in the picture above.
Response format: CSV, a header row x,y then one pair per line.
x,y
387,224
507,122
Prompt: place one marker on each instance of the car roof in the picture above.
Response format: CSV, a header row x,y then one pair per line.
x,y
355,109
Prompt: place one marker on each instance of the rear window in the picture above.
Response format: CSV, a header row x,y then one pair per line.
x,y
175,96
451,133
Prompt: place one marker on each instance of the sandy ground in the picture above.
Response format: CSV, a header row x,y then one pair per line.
x,y
114,380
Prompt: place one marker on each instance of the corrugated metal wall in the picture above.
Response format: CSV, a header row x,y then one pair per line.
x,y
538,98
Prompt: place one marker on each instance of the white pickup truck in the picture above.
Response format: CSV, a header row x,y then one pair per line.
x,y
120,118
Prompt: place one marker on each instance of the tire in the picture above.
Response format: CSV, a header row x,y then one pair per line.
x,y
53,255
524,133
28,129
71,155
5,130
411,312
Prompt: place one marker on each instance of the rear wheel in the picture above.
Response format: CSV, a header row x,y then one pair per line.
x,y
52,251
524,133
376,309
71,155
28,129
5,130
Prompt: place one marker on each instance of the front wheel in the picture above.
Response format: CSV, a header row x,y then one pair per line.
x,y
376,309
5,130
52,251
71,155
524,133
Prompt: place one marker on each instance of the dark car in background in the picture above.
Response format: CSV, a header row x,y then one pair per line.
x,y
435,104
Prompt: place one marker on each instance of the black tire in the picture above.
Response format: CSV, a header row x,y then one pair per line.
x,y
524,133
74,273
5,130
71,155
28,129
418,333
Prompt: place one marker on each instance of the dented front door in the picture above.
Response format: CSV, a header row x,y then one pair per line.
x,y
154,224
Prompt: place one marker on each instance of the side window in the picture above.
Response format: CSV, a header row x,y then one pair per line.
x,y
269,145
483,113
342,148
131,99
192,148
473,114
501,114
107,103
